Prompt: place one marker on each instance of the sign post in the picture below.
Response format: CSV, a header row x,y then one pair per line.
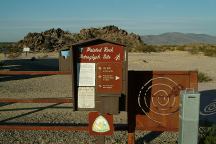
x,y
100,125
99,76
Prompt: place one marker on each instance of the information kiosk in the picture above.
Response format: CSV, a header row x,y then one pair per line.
x,y
99,75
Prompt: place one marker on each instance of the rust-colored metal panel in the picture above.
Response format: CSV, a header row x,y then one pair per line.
x,y
51,127
36,100
109,78
131,138
153,102
105,52
34,73
47,128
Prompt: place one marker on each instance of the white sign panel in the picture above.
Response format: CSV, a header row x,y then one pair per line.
x,y
86,74
26,49
86,97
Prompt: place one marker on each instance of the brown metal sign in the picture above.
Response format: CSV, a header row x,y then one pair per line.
x,y
153,102
102,65
101,53
109,78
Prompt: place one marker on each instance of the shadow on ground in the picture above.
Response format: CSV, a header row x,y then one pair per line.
x,y
148,137
4,78
28,65
48,64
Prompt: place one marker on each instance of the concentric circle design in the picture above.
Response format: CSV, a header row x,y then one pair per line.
x,y
158,97
209,109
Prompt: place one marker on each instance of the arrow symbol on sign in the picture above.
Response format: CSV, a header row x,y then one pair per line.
x,y
100,86
116,77
99,76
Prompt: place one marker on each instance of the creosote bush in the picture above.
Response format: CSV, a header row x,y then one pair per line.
x,y
202,77
1,63
210,136
206,49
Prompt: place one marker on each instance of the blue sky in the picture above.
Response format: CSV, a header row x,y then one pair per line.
x,y
18,17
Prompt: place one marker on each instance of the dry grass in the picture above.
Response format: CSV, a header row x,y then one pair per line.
x,y
205,49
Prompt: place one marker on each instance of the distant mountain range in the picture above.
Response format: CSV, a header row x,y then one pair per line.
x,y
176,38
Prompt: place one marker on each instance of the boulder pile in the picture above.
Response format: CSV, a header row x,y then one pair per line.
x,y
55,39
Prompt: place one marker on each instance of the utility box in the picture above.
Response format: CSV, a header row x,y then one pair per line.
x,y
189,117
99,75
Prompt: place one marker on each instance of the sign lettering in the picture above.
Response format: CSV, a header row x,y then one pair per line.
x,y
101,53
109,78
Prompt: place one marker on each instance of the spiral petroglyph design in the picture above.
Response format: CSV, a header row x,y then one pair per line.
x,y
209,109
159,96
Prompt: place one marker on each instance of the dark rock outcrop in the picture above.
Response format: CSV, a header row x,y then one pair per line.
x,y
55,39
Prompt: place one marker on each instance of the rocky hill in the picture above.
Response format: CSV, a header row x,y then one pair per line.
x,y
176,38
55,39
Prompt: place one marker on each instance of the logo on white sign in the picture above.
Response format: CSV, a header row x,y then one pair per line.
x,y
100,125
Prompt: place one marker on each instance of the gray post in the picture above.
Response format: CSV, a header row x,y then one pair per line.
x,y
189,117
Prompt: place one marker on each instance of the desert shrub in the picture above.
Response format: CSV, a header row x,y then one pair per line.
x,y
210,52
149,48
172,48
202,77
14,55
5,46
180,48
1,63
207,50
210,136
14,49
194,50
33,58
161,48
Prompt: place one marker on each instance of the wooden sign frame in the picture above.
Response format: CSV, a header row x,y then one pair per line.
x,y
110,81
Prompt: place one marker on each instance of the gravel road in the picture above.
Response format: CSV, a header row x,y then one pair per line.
x,y
56,86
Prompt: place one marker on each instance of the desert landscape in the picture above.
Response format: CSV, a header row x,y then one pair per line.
x,y
59,86
139,72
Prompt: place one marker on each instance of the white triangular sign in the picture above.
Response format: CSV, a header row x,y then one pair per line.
x,y
100,125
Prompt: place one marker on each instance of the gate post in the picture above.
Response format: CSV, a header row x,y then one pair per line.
x,y
131,137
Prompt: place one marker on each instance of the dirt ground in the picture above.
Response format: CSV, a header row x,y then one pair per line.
x,y
60,86
175,60
163,61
